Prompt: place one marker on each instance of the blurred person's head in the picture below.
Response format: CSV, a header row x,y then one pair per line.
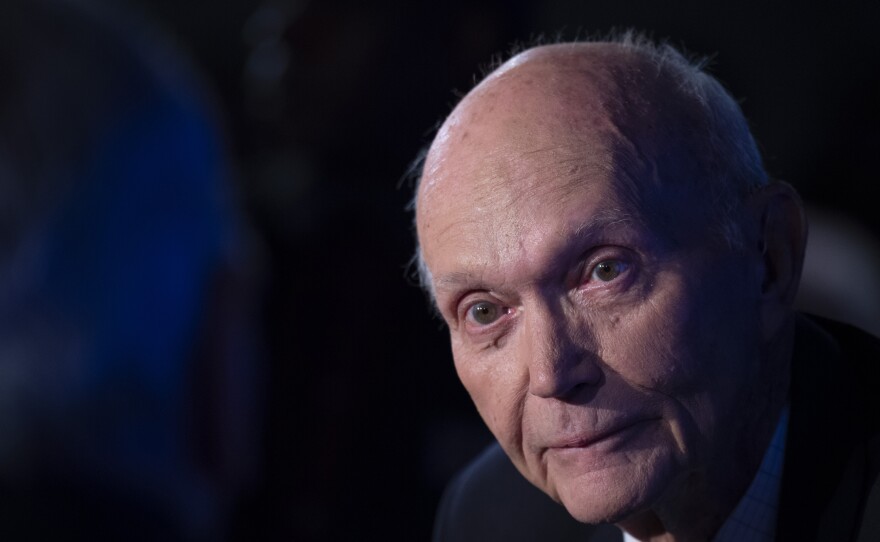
x,y
125,358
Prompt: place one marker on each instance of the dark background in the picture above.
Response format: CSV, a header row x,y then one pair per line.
x,y
327,103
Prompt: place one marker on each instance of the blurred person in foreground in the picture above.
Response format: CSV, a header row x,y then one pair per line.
x,y
127,368
618,273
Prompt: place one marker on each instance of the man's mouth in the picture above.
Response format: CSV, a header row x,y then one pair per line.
x,y
596,449
594,437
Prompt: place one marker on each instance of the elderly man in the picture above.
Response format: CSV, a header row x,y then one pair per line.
x,y
618,273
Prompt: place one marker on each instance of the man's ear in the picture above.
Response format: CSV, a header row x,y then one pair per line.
x,y
782,239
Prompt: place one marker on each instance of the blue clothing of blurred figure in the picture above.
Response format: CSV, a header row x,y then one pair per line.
x,y
127,405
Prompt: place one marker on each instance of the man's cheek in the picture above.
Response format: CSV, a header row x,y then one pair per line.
x,y
651,345
640,355
490,394
501,409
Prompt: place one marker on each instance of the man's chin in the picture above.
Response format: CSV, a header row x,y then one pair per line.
x,y
609,496
605,513
594,511
614,478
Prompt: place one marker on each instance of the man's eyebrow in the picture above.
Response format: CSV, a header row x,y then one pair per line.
x,y
456,279
608,219
591,229
607,226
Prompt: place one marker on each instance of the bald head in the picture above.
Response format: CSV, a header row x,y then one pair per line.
x,y
630,106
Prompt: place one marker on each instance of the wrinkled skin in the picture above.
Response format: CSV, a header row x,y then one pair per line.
x,y
631,364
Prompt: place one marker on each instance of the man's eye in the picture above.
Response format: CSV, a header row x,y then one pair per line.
x,y
485,313
608,270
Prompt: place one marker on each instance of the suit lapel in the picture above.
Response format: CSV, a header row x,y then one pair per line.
x,y
824,459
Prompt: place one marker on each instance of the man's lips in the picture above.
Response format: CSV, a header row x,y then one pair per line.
x,y
594,437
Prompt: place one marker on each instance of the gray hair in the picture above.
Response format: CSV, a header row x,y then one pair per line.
x,y
734,164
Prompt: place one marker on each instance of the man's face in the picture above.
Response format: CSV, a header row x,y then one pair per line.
x,y
607,338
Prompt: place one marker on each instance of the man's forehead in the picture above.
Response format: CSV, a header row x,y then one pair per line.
x,y
552,122
577,81
580,96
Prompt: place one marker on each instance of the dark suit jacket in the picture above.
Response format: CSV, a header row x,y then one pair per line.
x,y
830,487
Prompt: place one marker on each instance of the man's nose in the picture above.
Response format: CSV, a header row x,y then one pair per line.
x,y
560,354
